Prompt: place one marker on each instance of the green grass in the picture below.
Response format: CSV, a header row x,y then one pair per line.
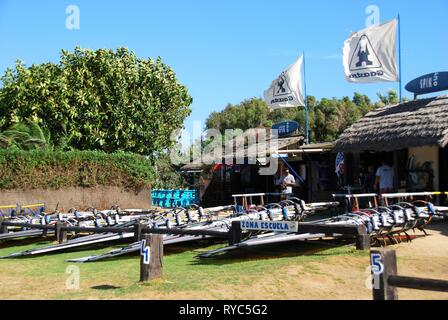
x,y
118,278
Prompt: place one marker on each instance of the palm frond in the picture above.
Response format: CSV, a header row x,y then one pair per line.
x,y
35,130
25,136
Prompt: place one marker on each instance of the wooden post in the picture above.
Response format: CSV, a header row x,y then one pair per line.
x,y
384,265
57,229
362,238
44,232
151,260
235,233
3,229
137,232
61,235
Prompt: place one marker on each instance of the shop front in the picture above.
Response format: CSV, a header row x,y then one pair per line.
x,y
411,137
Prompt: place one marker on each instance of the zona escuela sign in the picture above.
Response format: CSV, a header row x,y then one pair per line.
x,y
272,226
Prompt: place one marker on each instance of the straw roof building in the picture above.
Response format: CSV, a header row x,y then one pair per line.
x,y
412,136
417,123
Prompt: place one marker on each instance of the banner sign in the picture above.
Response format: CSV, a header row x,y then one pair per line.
x,y
369,55
340,164
286,90
286,128
273,226
174,198
433,82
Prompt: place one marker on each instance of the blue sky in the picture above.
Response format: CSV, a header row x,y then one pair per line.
x,y
227,51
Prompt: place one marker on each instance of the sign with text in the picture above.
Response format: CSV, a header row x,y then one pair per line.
x,y
433,82
273,226
174,198
286,128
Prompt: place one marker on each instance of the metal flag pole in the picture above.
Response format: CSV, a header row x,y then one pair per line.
x,y
399,58
306,102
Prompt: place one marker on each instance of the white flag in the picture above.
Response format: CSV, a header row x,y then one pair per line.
x,y
286,90
369,55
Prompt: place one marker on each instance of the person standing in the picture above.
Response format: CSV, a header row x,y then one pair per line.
x,y
385,178
287,182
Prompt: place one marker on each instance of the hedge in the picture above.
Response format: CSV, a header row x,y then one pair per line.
x,y
42,169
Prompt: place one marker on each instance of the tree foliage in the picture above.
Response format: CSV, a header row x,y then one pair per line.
x,y
328,118
167,175
390,98
98,100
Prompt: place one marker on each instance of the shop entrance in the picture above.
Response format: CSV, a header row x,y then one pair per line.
x,y
368,165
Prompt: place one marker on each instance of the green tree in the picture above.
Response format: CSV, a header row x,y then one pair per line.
x,y
98,100
167,175
390,98
251,113
328,118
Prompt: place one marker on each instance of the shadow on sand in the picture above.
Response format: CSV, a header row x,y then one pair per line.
x,y
275,251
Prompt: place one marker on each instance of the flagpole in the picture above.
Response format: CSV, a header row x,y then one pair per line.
x,y
399,58
306,102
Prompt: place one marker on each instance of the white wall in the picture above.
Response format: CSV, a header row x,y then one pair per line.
x,y
431,154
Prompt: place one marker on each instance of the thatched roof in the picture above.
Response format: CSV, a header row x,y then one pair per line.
x,y
417,123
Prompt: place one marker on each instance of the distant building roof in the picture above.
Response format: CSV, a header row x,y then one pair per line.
x,y
417,123
253,150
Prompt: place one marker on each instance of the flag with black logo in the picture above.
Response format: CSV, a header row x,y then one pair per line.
x,y
286,90
369,55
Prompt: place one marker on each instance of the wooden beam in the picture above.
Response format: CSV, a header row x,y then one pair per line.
x,y
136,228
328,229
418,283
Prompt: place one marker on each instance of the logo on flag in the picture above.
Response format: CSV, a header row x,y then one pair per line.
x,y
364,56
340,164
286,90
281,87
369,55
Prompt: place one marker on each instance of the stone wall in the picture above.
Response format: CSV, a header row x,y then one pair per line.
x,y
80,198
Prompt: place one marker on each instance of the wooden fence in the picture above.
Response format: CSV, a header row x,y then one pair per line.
x,y
386,281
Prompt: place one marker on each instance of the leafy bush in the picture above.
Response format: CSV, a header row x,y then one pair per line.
x,y
53,170
98,100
